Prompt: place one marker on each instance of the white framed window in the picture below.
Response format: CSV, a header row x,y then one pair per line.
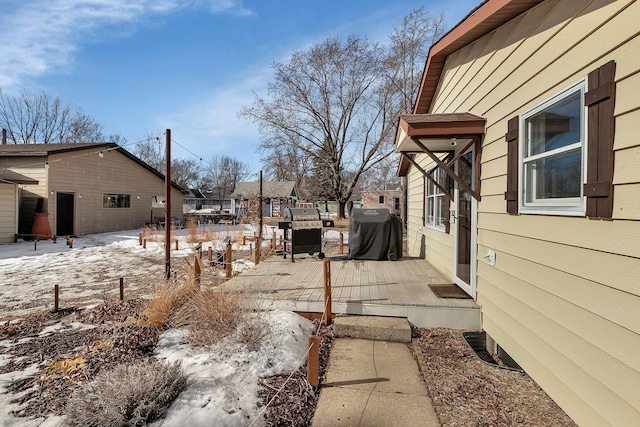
x,y
435,209
552,160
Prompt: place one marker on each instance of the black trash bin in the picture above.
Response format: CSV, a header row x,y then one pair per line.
x,y
374,234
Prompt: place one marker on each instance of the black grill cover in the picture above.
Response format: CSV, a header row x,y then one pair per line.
x,y
374,234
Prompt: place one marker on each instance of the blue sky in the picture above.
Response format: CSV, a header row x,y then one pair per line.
x,y
142,66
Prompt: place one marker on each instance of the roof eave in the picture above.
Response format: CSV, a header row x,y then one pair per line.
x,y
482,20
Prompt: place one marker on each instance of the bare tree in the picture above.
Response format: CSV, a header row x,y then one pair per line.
x,y
185,172
332,102
82,128
285,162
338,102
39,118
409,48
223,175
151,150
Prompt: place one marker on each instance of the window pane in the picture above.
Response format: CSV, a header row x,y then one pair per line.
x,y
430,211
554,177
430,187
441,211
555,127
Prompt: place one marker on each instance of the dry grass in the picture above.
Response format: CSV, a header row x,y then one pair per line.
x,y
214,315
209,315
193,236
167,298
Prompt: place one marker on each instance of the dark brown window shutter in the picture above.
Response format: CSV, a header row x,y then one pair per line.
x,y
599,99
447,214
511,195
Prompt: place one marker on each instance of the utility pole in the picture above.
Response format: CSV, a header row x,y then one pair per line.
x,y
260,203
167,207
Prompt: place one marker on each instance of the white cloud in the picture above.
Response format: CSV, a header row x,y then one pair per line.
x,y
41,36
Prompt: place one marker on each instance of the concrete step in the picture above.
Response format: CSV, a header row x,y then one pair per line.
x,y
377,328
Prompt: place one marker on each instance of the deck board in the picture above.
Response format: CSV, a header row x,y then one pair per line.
x,y
390,288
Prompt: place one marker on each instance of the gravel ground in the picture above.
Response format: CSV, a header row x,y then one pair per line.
x,y
467,392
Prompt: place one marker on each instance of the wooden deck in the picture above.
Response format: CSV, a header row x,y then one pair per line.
x,y
378,288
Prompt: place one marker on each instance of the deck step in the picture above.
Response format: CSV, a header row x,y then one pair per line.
x,y
376,328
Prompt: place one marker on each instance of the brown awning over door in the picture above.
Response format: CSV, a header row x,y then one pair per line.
x,y
440,133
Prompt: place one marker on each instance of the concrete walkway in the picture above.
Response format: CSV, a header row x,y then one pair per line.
x,y
373,383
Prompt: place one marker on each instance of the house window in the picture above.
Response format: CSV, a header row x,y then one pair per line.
x,y
552,161
396,203
435,209
381,200
116,200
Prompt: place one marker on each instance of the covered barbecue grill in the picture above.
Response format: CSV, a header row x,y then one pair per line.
x,y
374,234
303,231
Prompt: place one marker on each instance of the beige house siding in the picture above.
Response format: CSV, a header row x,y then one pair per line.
x,y
33,167
89,177
8,212
371,200
564,296
435,246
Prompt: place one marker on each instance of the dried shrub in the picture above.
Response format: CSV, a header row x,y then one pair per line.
x,y
193,236
209,235
167,298
214,315
127,395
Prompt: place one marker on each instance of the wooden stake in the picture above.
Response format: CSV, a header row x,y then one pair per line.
x,y
140,239
56,298
176,245
326,267
256,254
210,254
273,240
341,244
227,261
35,244
144,243
122,289
70,243
313,361
244,240
197,266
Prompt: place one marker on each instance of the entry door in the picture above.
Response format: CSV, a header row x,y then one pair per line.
x,y
465,218
64,214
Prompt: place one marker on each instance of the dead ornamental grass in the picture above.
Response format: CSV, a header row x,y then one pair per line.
x,y
209,315
167,298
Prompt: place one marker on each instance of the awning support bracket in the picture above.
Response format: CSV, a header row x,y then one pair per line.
x,y
445,167
427,175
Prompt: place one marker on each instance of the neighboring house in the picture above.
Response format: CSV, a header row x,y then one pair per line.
x,y
10,192
193,200
276,195
523,166
389,199
197,199
88,187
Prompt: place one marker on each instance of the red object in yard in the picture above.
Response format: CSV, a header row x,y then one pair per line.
x,y
41,228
